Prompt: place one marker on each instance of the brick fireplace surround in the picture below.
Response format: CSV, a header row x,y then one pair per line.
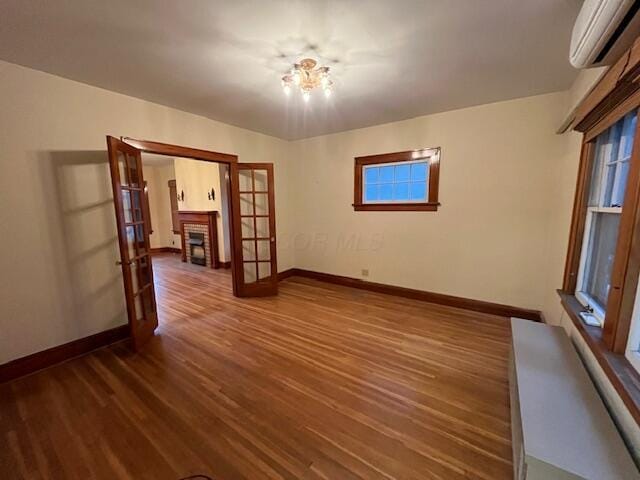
x,y
200,222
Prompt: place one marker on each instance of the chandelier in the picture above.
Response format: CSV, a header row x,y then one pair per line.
x,y
306,76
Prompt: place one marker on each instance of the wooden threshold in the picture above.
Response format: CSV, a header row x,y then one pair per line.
x,y
425,296
52,356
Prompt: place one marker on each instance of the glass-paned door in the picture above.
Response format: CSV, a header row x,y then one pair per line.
x,y
132,217
254,229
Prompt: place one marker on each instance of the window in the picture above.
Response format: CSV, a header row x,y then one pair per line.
x,y
397,181
601,283
609,174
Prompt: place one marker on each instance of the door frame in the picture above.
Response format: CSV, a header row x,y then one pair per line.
x,y
170,150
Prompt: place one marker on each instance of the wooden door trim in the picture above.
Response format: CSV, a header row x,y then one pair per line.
x,y
173,202
237,267
170,150
273,238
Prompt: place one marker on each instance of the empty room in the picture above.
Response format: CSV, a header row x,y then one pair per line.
x,y
320,240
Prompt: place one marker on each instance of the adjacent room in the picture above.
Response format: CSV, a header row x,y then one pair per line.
x,y
320,240
188,222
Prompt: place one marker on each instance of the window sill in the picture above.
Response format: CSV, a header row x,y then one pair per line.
x,y
396,207
623,377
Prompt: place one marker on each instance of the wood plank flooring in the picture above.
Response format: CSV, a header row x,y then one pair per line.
x,y
321,382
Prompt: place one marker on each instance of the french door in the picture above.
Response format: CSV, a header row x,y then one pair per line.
x,y
133,220
254,227
252,218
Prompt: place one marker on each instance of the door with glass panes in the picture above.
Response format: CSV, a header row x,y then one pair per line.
x,y
132,218
254,227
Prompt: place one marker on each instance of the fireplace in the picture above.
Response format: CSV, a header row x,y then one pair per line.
x,y
199,238
197,250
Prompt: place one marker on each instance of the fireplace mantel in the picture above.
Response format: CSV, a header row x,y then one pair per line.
x,y
208,219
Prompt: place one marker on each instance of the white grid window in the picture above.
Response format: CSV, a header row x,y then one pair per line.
x,y
398,182
606,194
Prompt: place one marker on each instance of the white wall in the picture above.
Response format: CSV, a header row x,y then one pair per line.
x,y
488,241
157,178
59,279
196,179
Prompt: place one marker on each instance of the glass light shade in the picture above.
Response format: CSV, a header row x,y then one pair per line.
x,y
306,96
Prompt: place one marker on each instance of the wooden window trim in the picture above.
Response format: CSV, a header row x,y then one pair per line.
x,y
617,84
431,205
173,202
578,219
615,95
145,190
626,267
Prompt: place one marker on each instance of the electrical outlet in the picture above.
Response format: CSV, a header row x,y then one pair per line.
x,y
365,272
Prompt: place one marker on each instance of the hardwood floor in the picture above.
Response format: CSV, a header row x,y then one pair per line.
x,y
321,382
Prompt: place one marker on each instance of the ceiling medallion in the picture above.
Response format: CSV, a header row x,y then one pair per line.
x,y
307,76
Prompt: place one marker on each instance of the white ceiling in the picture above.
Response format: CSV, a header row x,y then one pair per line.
x,y
223,59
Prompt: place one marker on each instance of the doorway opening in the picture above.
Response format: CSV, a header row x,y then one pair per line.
x,y
245,193
189,227
189,209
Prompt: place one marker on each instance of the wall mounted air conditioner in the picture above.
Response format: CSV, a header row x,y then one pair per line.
x,y
603,30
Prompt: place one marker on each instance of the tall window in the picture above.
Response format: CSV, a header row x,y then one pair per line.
x,y
601,283
609,174
397,181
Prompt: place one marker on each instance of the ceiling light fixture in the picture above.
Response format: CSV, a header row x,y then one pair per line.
x,y
307,77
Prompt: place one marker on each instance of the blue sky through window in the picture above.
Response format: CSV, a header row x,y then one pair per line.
x,y
404,182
